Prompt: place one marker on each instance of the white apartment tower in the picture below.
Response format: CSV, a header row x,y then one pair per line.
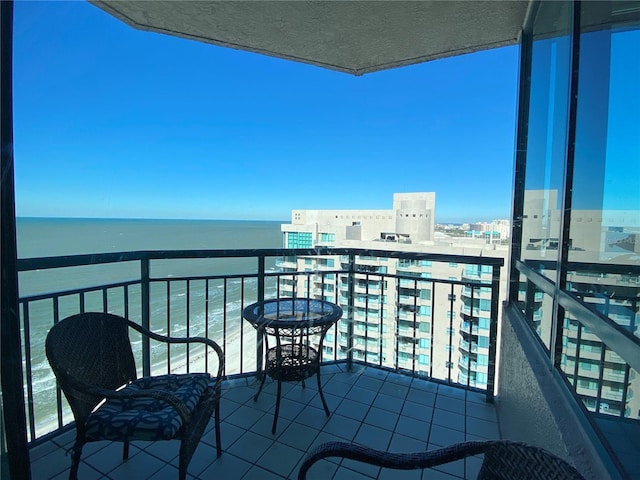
x,y
401,316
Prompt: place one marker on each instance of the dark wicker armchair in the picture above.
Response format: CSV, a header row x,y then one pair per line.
x,y
503,459
92,359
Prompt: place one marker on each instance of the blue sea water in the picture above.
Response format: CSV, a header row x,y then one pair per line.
x,y
40,237
43,237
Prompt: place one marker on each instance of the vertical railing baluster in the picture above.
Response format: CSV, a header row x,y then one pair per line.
x,y
625,391
242,325
146,298
381,323
601,377
56,319
335,325
351,303
168,325
451,299
188,321
206,322
259,334
397,326
529,302
126,301
470,342
366,317
105,303
415,324
28,369
493,330
432,328
224,319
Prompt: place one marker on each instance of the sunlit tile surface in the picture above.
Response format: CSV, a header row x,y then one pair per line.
x,y
369,406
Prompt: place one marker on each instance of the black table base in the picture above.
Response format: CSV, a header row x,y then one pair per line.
x,y
296,321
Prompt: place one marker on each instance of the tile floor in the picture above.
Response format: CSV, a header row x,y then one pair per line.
x,y
369,406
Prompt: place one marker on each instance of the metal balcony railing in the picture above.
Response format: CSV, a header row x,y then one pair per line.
x,y
601,330
203,292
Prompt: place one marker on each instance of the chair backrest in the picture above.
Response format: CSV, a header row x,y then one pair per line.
x,y
92,348
505,460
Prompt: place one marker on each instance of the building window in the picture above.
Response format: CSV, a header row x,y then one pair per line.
x,y
327,237
299,240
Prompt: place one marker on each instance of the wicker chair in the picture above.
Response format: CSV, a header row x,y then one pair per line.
x,y
503,459
91,357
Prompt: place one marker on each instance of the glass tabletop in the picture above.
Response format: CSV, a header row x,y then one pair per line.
x,y
292,313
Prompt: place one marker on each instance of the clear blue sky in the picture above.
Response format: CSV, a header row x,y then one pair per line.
x,y
116,122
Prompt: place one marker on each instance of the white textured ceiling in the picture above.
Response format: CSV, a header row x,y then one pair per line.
x,y
350,36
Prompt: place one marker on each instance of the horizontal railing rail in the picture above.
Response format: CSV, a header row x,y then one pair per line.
x,y
400,322
617,338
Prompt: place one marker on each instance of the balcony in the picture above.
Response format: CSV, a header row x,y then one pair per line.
x,y
368,405
210,304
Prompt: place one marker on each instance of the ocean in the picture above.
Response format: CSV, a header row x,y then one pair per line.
x,y
44,237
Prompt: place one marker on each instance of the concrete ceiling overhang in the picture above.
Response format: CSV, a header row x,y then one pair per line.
x,y
356,37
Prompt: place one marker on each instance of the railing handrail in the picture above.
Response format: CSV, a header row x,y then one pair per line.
x,y
618,339
39,263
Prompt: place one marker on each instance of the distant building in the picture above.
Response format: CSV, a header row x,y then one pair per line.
x,y
462,322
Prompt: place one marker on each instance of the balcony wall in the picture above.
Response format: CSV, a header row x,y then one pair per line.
x,y
534,406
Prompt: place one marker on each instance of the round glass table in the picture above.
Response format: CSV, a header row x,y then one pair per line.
x,y
299,326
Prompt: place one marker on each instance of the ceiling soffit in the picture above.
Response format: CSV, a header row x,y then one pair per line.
x,y
349,36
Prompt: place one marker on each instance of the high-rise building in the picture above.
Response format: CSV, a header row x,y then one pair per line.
x,y
456,315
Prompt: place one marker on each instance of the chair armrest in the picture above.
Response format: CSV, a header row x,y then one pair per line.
x,y
398,461
167,339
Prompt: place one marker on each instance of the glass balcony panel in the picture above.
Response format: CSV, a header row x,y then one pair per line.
x,y
548,120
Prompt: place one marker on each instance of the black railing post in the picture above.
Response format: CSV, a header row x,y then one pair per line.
x,y
259,333
13,409
529,302
351,309
145,292
493,330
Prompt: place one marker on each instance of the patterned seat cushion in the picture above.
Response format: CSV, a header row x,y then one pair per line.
x,y
147,418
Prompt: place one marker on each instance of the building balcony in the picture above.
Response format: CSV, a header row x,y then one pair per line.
x,y
467,347
371,396
289,263
483,292
467,328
